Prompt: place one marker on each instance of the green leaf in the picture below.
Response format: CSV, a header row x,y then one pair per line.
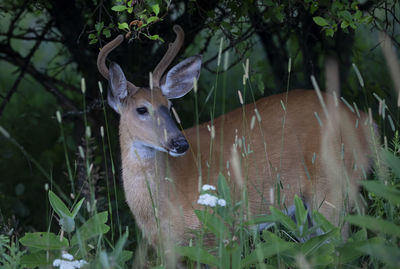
x,y
106,33
99,26
38,259
329,32
312,245
95,226
77,207
211,223
392,161
321,221
390,193
92,36
223,189
58,205
320,21
45,241
123,26
152,19
344,25
93,41
156,9
117,252
301,212
273,246
119,8
283,219
155,37
372,223
198,254
349,252
345,15
389,255
67,224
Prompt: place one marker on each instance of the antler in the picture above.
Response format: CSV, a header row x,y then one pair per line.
x,y
169,55
101,58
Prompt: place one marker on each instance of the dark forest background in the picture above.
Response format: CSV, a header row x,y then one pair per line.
x,y
46,47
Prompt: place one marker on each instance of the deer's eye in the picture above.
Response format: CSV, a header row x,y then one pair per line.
x,y
142,110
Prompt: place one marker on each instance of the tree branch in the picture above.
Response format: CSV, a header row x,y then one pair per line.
x,y
26,60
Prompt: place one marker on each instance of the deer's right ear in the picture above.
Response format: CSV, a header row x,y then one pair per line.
x,y
117,86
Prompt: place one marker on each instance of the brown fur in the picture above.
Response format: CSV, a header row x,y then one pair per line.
x,y
288,152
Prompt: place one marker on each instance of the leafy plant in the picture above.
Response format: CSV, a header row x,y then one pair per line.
x,y
45,247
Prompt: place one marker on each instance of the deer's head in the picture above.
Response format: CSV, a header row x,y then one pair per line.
x,y
145,111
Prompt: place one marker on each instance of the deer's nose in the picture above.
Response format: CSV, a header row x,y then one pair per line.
x,y
180,144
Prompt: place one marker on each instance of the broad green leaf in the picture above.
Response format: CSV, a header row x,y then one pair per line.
x,y
345,15
321,221
156,9
106,33
263,219
301,212
312,245
322,260
273,246
77,207
119,8
389,255
198,254
45,241
390,193
283,219
211,223
99,26
152,19
125,256
349,251
378,225
329,32
67,224
123,26
223,189
95,226
92,36
392,161
320,21
58,205
38,259
93,41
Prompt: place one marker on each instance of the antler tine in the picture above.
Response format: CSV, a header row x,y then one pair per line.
x,y
101,58
169,55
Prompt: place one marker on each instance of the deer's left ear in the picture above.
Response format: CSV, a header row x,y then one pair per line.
x,y
179,80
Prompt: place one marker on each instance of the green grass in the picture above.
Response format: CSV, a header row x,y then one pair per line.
x,y
94,233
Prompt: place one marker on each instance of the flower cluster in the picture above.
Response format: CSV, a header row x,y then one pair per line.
x,y
67,262
209,199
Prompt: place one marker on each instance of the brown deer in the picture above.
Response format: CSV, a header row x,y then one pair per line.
x,y
298,145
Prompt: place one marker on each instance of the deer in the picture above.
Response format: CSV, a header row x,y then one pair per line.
x,y
297,145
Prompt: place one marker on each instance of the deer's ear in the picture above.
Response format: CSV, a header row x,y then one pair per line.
x,y
117,86
179,80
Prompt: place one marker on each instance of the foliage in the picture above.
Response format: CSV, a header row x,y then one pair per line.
x,y
45,247
292,243
139,17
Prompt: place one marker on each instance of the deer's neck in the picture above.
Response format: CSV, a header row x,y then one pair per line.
x,y
143,173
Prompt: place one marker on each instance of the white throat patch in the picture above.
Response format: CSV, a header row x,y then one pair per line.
x,y
144,151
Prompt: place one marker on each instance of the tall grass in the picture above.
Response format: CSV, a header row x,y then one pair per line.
x,y
96,238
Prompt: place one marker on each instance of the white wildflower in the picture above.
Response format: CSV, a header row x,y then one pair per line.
x,y
67,262
67,256
207,187
207,200
221,202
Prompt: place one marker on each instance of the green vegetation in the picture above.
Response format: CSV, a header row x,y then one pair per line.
x,y
60,190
